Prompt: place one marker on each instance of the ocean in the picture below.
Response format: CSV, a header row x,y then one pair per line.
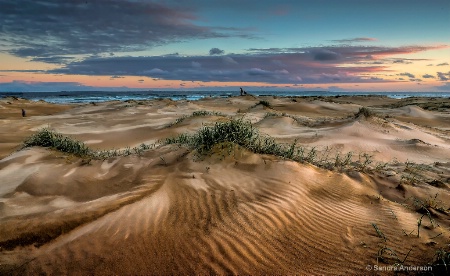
x,y
65,97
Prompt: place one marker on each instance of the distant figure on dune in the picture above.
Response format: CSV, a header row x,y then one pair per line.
x,y
23,112
242,91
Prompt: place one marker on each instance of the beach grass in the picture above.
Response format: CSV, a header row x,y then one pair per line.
x,y
233,132
49,138
199,113
364,111
243,133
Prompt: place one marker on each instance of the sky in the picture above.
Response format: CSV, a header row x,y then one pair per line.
x,y
298,45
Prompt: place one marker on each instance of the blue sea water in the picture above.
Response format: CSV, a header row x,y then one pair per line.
x,y
102,96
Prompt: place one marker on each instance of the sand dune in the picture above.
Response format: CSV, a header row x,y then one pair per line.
x,y
170,211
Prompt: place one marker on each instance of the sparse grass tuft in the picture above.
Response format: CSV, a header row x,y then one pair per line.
x,y
236,131
364,160
49,138
339,162
392,254
441,261
195,114
205,113
364,111
380,234
412,173
271,114
264,103
242,133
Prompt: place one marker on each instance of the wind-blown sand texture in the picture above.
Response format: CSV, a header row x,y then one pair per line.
x,y
171,211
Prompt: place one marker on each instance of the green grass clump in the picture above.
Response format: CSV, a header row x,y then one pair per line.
x,y
234,131
412,172
364,111
264,103
195,114
51,139
274,114
242,133
231,132
271,114
204,113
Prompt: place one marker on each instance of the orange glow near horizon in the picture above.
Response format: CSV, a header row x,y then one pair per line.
x,y
134,82
396,76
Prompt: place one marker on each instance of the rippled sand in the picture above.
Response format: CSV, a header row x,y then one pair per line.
x,y
170,211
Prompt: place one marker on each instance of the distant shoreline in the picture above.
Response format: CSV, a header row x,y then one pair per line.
x,y
67,97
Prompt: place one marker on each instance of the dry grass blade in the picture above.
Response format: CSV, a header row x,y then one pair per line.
x,y
380,234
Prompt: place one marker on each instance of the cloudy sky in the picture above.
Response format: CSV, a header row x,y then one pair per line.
x,y
335,45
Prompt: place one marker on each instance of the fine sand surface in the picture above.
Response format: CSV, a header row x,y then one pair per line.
x,y
172,211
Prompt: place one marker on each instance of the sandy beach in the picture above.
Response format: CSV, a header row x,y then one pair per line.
x,y
173,210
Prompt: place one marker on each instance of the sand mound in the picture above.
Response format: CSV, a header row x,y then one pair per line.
x,y
381,139
240,216
279,127
416,111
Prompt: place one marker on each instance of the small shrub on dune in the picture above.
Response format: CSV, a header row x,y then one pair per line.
x,y
364,111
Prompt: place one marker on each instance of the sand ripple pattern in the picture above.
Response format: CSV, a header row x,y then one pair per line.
x,y
254,216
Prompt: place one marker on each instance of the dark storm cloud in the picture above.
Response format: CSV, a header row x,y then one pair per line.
x,y
53,59
402,61
25,71
24,86
376,78
275,65
371,60
50,28
443,76
361,52
306,65
325,55
216,51
406,74
356,39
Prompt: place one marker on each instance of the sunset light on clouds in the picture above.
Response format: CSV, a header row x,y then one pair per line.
x,y
345,45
